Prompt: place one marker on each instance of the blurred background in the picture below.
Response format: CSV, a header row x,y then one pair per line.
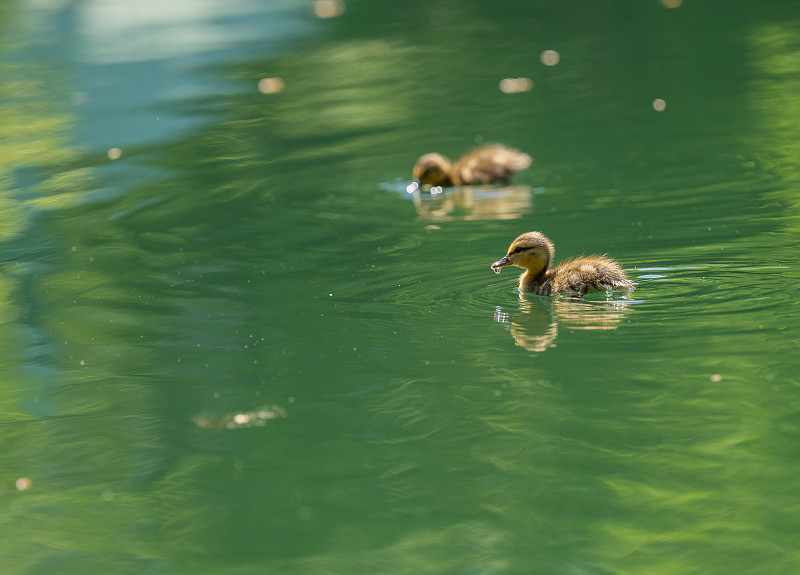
x,y
232,342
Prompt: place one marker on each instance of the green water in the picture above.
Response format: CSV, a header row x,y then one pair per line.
x,y
242,347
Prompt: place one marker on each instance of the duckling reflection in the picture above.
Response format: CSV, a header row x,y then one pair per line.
x,y
485,165
474,203
533,252
535,326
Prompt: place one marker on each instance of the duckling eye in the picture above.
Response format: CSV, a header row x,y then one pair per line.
x,y
518,249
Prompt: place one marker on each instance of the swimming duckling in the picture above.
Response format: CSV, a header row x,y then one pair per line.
x,y
492,163
533,252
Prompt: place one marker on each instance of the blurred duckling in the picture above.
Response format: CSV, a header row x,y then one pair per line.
x,y
486,165
533,252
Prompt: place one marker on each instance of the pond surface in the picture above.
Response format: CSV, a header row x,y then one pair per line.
x,y
233,343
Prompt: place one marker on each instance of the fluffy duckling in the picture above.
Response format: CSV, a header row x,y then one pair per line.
x,y
533,252
492,163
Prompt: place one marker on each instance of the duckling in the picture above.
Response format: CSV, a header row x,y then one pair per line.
x,y
488,164
533,252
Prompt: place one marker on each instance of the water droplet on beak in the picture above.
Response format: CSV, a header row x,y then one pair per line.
x,y
497,270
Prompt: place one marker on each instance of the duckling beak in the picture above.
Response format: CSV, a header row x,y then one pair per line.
x,y
501,263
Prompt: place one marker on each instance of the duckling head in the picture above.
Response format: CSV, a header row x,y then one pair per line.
x,y
433,169
531,251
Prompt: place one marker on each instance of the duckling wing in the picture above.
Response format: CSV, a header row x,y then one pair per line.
x,y
596,273
490,164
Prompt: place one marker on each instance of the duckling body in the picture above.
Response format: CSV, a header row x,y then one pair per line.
x,y
533,252
486,165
